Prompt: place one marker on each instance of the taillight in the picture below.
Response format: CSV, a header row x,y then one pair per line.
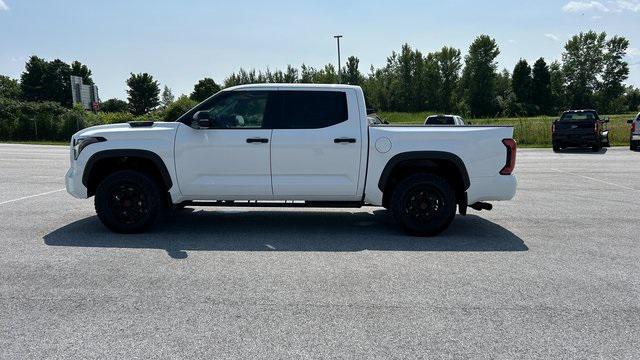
x,y
633,126
512,147
553,128
595,128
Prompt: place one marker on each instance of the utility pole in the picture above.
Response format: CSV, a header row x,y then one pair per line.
x,y
338,37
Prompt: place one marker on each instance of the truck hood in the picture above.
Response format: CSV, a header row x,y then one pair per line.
x,y
117,131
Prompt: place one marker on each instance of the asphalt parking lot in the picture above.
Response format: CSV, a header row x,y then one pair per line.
x,y
553,274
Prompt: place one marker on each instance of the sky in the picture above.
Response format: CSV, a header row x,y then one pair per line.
x,y
180,42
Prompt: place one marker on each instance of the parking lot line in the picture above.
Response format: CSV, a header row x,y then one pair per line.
x,y
598,180
31,196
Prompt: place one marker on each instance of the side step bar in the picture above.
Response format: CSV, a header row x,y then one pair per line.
x,y
277,204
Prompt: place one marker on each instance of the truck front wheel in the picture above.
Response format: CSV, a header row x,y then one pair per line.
x,y
128,201
424,204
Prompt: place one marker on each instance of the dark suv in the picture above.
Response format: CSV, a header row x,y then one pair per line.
x,y
580,128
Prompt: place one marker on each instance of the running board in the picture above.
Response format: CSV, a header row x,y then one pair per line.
x,y
277,204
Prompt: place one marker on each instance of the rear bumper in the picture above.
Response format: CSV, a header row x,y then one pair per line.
x,y
579,139
494,188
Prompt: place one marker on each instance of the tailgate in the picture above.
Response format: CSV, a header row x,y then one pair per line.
x,y
575,127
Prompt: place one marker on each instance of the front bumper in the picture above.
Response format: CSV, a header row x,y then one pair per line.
x,y
74,185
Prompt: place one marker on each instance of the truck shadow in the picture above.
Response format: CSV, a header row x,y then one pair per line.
x,y
301,231
583,151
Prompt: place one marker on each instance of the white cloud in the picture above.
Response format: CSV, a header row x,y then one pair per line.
x,y
607,6
552,37
634,52
3,5
580,6
631,5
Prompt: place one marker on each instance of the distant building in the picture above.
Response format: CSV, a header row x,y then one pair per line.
x,y
87,95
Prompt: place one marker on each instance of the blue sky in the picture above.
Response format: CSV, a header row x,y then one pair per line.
x,y
180,42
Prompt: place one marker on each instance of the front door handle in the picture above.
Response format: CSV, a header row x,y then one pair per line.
x,y
257,141
344,141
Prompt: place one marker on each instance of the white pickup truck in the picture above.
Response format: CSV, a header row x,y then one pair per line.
x,y
290,146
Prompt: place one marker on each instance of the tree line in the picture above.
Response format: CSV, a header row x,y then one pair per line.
x,y
591,74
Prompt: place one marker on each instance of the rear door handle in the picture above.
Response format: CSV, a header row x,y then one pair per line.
x,y
344,141
257,141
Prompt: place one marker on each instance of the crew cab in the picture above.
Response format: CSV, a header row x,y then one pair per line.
x,y
634,138
290,146
580,128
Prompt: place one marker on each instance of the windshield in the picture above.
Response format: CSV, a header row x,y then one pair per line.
x,y
440,120
581,116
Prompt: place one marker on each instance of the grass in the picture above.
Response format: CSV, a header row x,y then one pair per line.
x,y
528,131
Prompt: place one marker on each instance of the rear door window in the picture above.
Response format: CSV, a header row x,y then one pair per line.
x,y
312,109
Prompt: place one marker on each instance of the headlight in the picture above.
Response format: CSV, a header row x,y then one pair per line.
x,y
81,143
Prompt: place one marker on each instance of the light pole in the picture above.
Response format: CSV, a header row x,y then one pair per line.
x,y
338,37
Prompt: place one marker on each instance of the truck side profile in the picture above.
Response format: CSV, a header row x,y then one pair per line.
x,y
291,146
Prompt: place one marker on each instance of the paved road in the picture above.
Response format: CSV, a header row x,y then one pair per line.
x,y
553,274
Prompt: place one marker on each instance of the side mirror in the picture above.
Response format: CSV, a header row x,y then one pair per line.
x,y
630,121
606,120
203,119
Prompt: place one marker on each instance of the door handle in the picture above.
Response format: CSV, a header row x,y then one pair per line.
x,y
344,141
257,141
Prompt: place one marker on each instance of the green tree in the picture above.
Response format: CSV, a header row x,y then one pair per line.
x,y
307,74
179,107
78,69
449,62
583,61
479,75
521,82
9,88
56,82
558,88
114,105
615,72
204,89
351,74
31,80
167,97
541,95
143,93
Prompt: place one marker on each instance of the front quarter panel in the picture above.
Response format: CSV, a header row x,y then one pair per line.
x,y
158,139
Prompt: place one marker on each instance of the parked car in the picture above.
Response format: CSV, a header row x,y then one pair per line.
x,y
580,128
268,145
444,120
634,139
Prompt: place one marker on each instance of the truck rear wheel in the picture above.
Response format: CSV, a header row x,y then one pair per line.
x,y
424,204
128,202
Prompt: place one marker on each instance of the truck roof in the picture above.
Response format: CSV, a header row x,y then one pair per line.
x,y
291,86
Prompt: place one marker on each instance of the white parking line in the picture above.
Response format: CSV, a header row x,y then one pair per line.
x,y
31,196
598,180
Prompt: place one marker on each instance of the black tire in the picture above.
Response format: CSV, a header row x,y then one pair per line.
x,y
424,204
556,147
128,202
596,148
634,145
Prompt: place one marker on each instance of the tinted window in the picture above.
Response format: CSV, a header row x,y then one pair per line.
x,y
312,109
440,120
235,110
581,116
